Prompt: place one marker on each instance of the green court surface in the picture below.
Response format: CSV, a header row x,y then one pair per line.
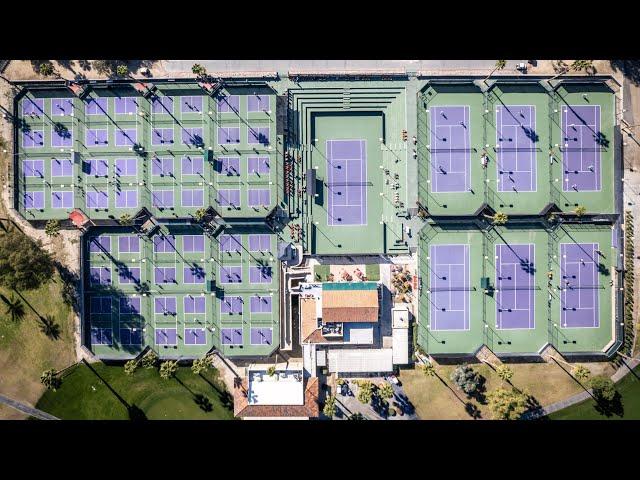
x,y
540,169
375,112
144,292
103,392
542,296
115,152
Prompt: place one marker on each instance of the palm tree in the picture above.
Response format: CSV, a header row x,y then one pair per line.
x,y
15,308
200,365
130,367
200,214
498,218
428,369
168,369
330,407
580,210
150,359
50,379
580,65
505,373
198,70
386,390
271,371
500,65
49,327
52,228
122,70
125,219
581,373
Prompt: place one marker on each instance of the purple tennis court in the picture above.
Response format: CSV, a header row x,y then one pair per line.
x,y
516,140
515,286
450,149
581,152
449,287
347,182
166,336
580,286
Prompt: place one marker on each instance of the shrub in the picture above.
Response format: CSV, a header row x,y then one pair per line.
x,y
365,391
125,219
603,388
466,379
271,371
504,372
507,405
200,214
198,70
385,390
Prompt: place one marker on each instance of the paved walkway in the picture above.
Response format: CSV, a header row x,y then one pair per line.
x,y
582,396
34,412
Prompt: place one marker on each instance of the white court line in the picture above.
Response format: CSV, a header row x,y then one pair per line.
x,y
595,291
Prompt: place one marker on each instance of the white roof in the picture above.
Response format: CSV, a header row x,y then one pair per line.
x,y
400,346
400,317
280,389
361,360
358,333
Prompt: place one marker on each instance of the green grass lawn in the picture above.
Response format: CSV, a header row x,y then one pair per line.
x,y
321,272
85,395
372,272
628,408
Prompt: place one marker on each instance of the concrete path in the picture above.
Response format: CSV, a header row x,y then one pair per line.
x,y
287,65
582,396
34,412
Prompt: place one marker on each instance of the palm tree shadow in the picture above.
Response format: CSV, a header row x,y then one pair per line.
x,y
225,397
49,327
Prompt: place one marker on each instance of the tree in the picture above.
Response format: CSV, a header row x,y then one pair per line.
x,y
125,219
122,70
103,67
271,371
330,407
200,365
507,405
50,379
505,373
46,69
498,218
500,65
24,265
581,373
385,390
168,369
15,308
130,367
150,359
200,214
580,210
466,379
429,369
365,391
580,65
603,388
198,70
52,228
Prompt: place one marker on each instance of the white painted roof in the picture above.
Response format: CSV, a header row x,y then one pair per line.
x,y
361,360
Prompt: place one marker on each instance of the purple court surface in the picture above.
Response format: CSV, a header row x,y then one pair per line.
x,y
450,149
260,304
231,336
516,139
195,336
580,286
449,286
195,304
347,182
130,336
581,147
261,336
166,336
259,197
515,286
165,305
231,305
